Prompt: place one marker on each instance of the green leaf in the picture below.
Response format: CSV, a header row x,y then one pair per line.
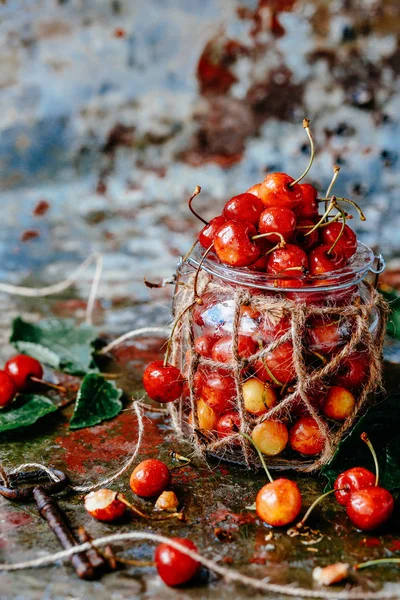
x,y
393,299
382,424
27,409
57,343
97,400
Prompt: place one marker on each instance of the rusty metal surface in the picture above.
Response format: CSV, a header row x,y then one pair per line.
x,y
85,128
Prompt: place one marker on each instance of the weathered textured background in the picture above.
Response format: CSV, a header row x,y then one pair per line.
x,y
111,111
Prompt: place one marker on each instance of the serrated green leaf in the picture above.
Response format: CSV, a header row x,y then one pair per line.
x,y
58,343
382,424
97,400
27,409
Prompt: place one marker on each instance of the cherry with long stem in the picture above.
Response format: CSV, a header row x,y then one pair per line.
x,y
306,125
195,193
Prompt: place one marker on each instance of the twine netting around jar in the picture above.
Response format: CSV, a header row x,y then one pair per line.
x,y
235,447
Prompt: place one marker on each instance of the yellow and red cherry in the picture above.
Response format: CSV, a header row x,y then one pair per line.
x,y
258,397
8,389
277,366
309,205
277,190
207,418
370,508
150,478
209,231
21,368
105,505
352,371
279,503
222,350
289,260
354,479
323,260
244,207
277,219
306,438
306,242
173,566
254,189
339,403
219,390
163,382
347,241
234,245
270,437
228,424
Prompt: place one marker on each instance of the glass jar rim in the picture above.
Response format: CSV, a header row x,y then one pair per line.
x,y
357,268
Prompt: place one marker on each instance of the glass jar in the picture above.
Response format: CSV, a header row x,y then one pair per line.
x,y
287,361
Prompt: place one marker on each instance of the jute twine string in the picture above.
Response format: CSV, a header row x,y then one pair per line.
x,y
229,575
357,315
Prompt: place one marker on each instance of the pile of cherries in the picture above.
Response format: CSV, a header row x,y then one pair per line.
x,y
19,374
273,228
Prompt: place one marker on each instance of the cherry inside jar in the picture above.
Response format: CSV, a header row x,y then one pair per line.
x,y
284,359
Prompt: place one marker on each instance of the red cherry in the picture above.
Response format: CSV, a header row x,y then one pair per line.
x,y
208,233
321,262
271,330
163,383
326,336
7,389
278,503
347,241
21,368
234,244
352,371
288,260
280,219
277,365
309,206
174,567
222,350
370,507
228,424
203,345
306,242
150,478
275,191
306,438
244,207
260,264
219,390
352,480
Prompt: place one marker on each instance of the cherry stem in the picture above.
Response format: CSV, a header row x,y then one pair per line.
x,y
196,295
360,212
266,367
376,562
301,523
332,204
59,388
306,125
341,232
281,244
184,459
366,439
134,563
195,193
336,170
189,252
171,335
320,356
135,510
337,217
248,438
